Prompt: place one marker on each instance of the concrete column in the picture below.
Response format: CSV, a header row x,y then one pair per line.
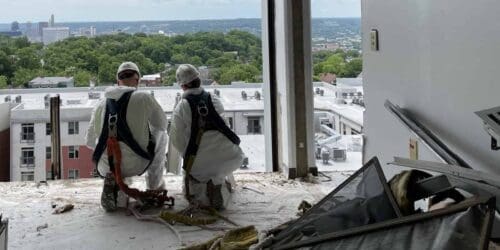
x,y
294,95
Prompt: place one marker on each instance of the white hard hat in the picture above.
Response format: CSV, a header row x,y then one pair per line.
x,y
186,73
128,66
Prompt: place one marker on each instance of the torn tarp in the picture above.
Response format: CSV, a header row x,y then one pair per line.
x,y
462,226
363,199
362,214
4,227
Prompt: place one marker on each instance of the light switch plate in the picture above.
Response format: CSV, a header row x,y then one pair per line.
x,y
374,39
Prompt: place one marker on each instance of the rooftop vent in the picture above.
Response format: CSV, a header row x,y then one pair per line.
x,y
322,92
18,99
217,92
244,95
339,154
257,95
73,102
94,95
317,91
7,98
152,92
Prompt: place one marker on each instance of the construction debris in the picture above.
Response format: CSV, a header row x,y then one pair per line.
x,y
59,209
239,238
252,189
39,228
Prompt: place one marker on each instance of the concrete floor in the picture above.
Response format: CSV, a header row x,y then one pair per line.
x,y
87,226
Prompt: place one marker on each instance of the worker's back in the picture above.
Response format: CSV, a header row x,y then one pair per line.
x,y
217,156
141,117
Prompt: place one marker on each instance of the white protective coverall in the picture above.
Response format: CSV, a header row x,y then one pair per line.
x,y
142,110
217,156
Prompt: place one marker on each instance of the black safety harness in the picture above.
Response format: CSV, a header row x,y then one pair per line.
x,y
114,130
204,117
118,109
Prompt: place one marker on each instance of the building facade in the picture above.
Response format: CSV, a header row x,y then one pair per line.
x,y
52,82
30,135
54,34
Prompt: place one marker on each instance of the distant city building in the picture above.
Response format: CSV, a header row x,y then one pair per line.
x,y
52,82
14,26
54,34
32,33
51,21
87,32
325,46
11,33
41,26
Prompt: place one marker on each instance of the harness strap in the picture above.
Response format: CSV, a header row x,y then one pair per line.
x,y
204,117
150,197
124,134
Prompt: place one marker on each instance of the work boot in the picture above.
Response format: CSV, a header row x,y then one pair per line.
x,y
214,193
109,193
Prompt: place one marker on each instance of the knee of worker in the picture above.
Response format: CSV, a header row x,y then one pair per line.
x,y
155,182
198,192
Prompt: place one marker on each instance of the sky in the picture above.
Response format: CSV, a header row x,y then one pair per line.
x,y
138,10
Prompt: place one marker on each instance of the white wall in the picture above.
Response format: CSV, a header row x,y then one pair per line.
x,y
284,82
4,116
439,59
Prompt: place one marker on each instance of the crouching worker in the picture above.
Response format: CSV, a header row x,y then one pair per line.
x,y
127,133
209,147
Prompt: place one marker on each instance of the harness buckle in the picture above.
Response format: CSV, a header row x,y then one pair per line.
x,y
112,128
202,109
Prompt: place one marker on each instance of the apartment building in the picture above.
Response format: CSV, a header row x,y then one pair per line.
x,y
30,143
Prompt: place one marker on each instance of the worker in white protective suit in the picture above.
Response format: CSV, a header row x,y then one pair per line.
x,y
143,150
210,149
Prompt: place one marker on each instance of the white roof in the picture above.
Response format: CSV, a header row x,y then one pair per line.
x,y
230,95
150,77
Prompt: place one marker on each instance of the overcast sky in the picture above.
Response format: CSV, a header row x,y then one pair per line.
x,y
131,10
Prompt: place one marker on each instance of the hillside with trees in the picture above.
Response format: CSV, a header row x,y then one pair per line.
x,y
232,56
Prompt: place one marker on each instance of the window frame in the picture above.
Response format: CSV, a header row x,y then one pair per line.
x,y
48,128
256,128
75,172
25,157
48,153
230,122
25,175
73,128
27,132
73,152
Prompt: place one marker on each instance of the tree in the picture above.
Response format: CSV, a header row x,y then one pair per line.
x,y
235,56
3,82
352,54
239,72
6,65
353,68
22,76
82,78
